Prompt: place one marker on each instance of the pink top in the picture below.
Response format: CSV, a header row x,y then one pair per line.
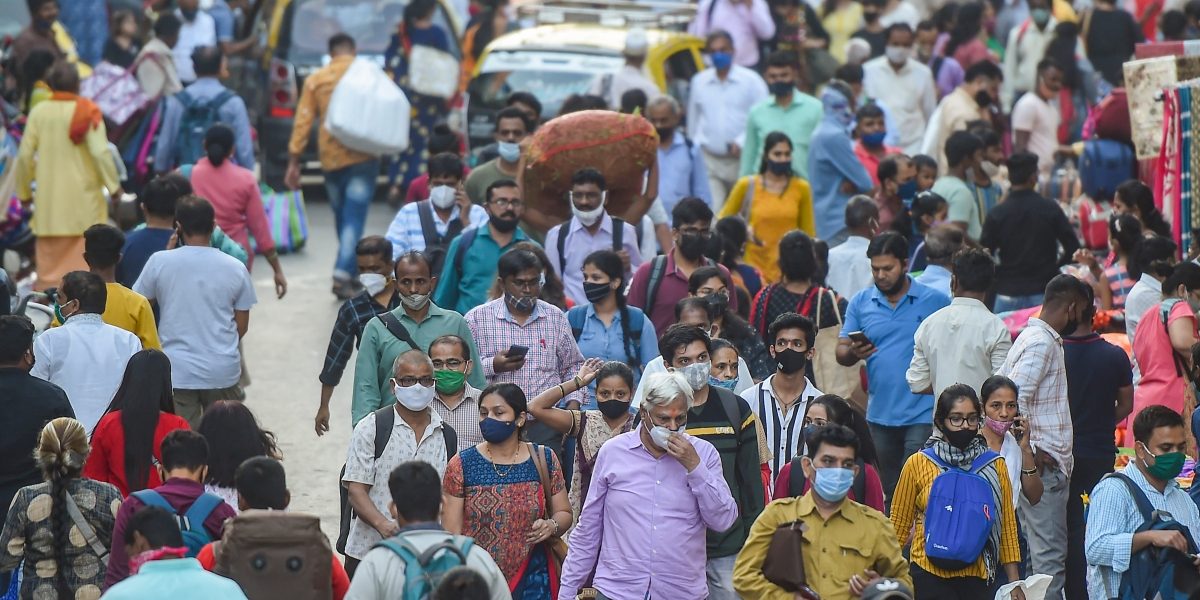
x,y
233,192
1161,383
972,52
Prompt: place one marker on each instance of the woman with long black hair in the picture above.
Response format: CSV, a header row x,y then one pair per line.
x,y
233,435
125,443
966,44
43,519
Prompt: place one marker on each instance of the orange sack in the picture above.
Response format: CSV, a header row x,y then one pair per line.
x,y
623,147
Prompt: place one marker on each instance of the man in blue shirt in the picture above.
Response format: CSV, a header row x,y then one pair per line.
x,y
883,321
681,170
1113,517
834,171
209,63
465,281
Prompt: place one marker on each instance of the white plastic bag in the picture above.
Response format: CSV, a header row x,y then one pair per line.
x,y
432,72
368,112
1035,588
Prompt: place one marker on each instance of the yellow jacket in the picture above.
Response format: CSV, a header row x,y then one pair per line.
x,y
854,538
71,179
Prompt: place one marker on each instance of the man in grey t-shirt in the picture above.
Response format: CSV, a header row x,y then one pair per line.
x,y
204,299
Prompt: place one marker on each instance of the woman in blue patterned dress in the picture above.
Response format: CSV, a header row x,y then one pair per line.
x,y
416,29
495,495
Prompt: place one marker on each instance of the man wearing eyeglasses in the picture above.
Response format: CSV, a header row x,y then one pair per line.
x,y
417,433
455,399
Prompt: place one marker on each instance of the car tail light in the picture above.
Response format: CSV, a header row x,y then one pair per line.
x,y
281,89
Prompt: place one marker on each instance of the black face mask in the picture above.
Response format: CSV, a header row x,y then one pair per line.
x,y
960,439
692,245
870,16
983,99
781,88
1069,329
791,361
665,133
613,408
595,292
717,303
779,167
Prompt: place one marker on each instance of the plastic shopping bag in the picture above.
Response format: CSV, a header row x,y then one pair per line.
x,y
368,112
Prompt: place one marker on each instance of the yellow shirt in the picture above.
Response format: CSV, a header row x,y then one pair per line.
x,y
314,102
908,505
841,24
854,538
130,311
71,179
771,217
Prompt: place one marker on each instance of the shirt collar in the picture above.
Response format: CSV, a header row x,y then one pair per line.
x,y
1036,322
469,394
878,296
1151,282
605,224
968,302
92,318
173,565
1131,471
518,233
500,309
808,506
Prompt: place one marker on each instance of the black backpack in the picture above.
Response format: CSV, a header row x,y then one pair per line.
x,y
436,245
618,241
798,479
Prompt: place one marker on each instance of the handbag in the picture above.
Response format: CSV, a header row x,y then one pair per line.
x,y
833,378
117,91
556,545
784,562
287,218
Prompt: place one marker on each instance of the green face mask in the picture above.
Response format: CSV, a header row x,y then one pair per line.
x,y
1166,466
446,381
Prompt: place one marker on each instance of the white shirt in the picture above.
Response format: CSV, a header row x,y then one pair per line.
x,y
1026,47
198,289
910,110
744,379
86,357
361,467
849,267
194,34
580,243
1040,120
611,87
717,110
961,343
1144,295
784,433
1011,451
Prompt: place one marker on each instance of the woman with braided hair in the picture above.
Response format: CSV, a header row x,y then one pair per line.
x,y
61,528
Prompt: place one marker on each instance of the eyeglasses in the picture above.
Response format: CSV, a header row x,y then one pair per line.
x,y
453,363
529,284
507,202
958,421
411,381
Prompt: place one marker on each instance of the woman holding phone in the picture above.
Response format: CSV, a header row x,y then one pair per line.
x,y
1006,431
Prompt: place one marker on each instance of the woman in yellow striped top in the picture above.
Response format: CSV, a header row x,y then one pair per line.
x,y
956,441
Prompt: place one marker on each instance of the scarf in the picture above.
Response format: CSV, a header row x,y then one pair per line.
x,y
87,115
963,458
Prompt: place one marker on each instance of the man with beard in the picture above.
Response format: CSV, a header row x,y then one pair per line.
x,y
470,267
661,283
1037,365
880,326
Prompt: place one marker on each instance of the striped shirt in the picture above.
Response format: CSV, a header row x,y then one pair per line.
x,y
352,318
1036,364
784,431
908,507
464,417
1119,282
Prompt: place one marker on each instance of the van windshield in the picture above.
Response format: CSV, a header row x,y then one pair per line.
x,y
371,23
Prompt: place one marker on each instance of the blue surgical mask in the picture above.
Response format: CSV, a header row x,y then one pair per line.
x,y
721,60
907,191
721,383
874,140
509,151
833,483
496,431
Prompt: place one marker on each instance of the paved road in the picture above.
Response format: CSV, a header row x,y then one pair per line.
x,y
285,348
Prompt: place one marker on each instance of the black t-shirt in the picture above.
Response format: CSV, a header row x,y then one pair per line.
x,y
139,245
1027,230
1096,371
1110,37
878,40
29,403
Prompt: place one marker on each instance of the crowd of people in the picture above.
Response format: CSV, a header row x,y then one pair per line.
x,y
859,346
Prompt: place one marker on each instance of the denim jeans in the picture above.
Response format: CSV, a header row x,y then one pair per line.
x,y
893,446
350,190
719,572
1011,303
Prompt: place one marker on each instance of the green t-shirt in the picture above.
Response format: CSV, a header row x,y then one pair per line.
x,y
483,176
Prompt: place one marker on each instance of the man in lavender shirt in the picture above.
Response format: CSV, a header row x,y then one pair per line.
x,y
654,492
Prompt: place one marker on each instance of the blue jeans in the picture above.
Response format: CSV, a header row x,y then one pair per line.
x,y
1011,303
893,446
350,190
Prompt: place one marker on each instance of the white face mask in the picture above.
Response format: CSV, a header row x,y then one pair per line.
x,y
373,282
415,397
696,374
442,196
897,55
661,435
590,217
414,301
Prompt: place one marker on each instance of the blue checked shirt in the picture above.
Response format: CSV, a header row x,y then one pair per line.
x,y
347,333
1112,518
405,231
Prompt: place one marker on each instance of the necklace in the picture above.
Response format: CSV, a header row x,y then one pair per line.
x,y
511,465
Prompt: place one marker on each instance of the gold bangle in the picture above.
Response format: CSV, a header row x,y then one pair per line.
x,y
562,391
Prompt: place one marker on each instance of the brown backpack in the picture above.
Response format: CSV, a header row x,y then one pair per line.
x,y
275,554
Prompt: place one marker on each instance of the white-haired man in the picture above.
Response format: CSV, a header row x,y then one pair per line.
x,y
647,538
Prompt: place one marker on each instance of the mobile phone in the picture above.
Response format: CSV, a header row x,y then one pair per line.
x,y
516,351
860,337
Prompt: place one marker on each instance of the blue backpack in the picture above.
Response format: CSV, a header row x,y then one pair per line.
x,y
960,513
1151,571
191,523
1105,164
198,116
424,570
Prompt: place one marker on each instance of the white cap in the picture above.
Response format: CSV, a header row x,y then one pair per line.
x,y
636,42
